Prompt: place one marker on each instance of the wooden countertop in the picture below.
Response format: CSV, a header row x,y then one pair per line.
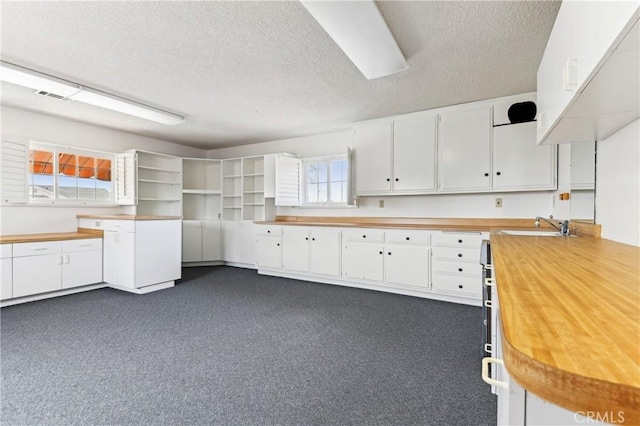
x,y
444,224
570,313
126,217
57,236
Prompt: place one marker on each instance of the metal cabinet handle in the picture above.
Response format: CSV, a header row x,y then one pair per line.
x,y
364,236
459,254
60,261
389,253
39,249
67,259
408,238
485,372
459,269
306,238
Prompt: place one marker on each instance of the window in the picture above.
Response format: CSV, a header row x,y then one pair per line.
x,y
70,176
326,181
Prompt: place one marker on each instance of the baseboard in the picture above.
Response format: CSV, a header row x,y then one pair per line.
x,y
58,293
144,290
368,286
207,263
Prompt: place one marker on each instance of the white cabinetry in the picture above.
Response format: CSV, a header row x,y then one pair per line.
x,y
159,184
141,255
314,250
588,77
201,192
238,242
456,267
6,288
518,162
583,165
269,247
396,156
42,267
464,146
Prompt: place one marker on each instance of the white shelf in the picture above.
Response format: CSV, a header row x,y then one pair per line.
x,y
225,207
254,192
159,199
202,191
254,204
160,169
253,174
232,196
232,177
162,182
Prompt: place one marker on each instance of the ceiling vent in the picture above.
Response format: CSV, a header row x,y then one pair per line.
x,y
49,94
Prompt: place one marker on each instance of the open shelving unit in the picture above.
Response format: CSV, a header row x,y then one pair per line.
x,y
232,189
201,189
159,184
253,203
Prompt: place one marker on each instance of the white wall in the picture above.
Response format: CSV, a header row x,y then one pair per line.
x,y
618,185
19,125
515,205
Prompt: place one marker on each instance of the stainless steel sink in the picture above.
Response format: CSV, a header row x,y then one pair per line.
x,y
528,233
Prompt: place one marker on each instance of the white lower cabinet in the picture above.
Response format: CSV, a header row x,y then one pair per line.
x,y
142,253
363,261
6,288
201,240
407,265
268,252
456,263
43,267
311,250
238,241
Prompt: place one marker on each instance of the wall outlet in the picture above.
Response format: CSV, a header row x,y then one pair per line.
x,y
381,204
498,202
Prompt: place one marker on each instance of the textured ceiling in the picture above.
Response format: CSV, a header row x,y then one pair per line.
x,y
244,72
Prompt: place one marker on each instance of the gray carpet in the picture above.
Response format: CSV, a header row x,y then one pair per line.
x,y
227,346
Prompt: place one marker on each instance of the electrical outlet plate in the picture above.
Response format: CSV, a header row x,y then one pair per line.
x,y
498,202
381,204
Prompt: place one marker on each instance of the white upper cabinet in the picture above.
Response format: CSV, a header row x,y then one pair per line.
x,y
396,156
373,158
464,146
414,153
520,164
588,77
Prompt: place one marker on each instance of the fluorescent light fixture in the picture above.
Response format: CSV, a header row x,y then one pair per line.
x,y
361,32
75,92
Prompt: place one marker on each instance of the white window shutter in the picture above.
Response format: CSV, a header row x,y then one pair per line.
x,y
14,164
126,178
288,181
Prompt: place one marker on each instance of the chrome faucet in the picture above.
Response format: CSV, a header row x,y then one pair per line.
x,y
562,226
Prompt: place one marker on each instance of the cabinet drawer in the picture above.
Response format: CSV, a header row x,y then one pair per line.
x,y
364,234
466,286
269,230
410,237
37,249
119,225
457,268
461,254
5,250
458,239
71,246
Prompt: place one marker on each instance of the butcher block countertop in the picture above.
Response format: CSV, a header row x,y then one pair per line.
x,y
126,217
426,223
56,236
570,313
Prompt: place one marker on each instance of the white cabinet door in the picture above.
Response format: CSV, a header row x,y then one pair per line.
x,y
583,165
518,163
269,252
465,150
119,258
191,240
373,158
325,252
363,261
157,252
231,241
81,268
211,243
36,274
6,290
414,153
407,265
295,249
248,245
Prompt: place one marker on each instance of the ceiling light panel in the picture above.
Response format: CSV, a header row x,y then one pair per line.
x,y
71,91
361,32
